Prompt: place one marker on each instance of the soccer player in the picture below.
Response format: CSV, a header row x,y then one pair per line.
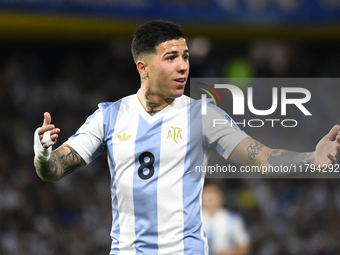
x,y
152,142
225,230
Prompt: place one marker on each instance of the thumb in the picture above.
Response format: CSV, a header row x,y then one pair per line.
x,y
333,132
47,119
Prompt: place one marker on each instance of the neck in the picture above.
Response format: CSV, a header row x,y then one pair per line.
x,y
211,211
152,103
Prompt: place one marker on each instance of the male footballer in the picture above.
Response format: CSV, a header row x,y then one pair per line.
x,y
156,205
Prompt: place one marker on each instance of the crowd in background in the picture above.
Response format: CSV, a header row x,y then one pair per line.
x,y
73,216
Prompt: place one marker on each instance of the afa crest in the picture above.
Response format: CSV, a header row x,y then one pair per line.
x,y
174,134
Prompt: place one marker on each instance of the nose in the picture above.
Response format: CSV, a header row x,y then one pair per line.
x,y
183,66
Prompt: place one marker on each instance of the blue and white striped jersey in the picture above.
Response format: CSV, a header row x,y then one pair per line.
x,y
225,230
156,205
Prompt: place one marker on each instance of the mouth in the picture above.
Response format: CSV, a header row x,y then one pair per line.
x,y
181,81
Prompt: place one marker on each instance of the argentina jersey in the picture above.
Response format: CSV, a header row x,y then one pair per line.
x,y
156,204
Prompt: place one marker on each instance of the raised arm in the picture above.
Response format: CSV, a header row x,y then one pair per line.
x,y
250,152
53,165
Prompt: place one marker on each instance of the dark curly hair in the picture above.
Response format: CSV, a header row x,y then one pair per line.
x,y
152,33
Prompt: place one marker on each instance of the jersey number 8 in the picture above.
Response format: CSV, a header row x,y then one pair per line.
x,y
147,165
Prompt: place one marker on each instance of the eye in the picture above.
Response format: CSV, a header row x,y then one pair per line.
x,y
186,57
170,58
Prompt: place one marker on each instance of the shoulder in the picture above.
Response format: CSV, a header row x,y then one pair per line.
x,y
185,101
233,218
197,107
114,106
181,102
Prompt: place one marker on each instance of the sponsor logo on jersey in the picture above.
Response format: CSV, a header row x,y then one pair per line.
x,y
174,134
124,137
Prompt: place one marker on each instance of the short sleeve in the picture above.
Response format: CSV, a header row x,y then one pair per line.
x,y
221,131
239,233
88,140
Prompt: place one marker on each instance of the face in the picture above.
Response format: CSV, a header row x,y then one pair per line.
x,y
212,197
168,69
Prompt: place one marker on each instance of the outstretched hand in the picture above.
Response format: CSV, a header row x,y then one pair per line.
x,y
328,150
47,126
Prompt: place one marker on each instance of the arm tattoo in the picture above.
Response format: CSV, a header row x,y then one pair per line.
x,y
286,158
254,150
63,161
70,161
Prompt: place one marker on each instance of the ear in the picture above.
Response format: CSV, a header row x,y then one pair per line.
x,y
142,67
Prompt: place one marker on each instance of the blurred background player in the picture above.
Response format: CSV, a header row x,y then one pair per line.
x,y
225,230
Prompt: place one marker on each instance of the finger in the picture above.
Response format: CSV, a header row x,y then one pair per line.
x,y
45,146
47,119
43,129
54,137
333,132
54,134
338,138
337,152
55,131
332,158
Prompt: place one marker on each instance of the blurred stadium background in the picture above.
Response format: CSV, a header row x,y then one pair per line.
x,y
66,56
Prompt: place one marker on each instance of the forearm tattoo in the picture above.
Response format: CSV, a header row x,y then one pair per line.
x,y
291,160
253,150
63,161
285,157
